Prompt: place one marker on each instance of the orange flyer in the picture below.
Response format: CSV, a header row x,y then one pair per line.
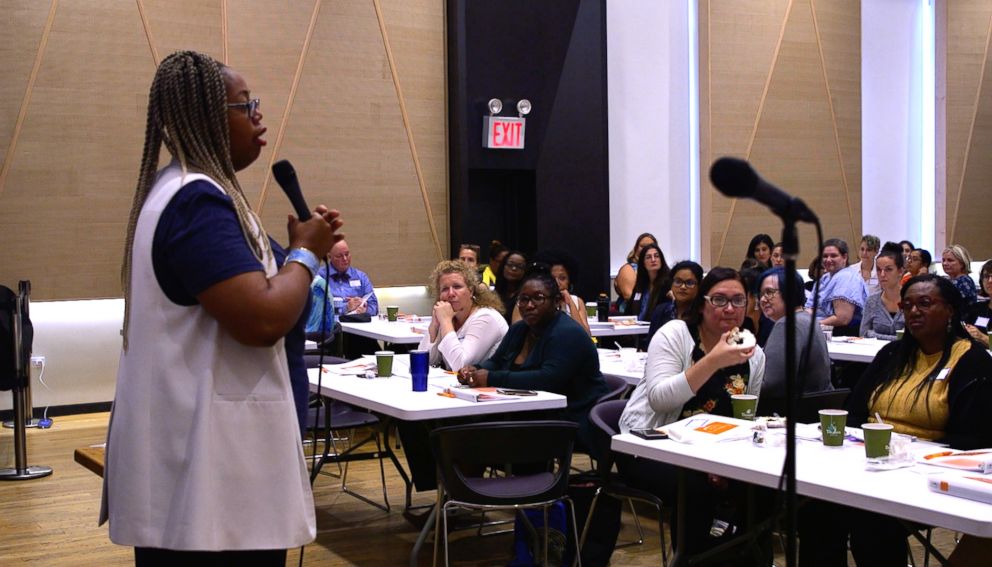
x,y
716,427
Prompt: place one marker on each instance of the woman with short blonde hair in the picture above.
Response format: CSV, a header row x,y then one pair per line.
x,y
467,322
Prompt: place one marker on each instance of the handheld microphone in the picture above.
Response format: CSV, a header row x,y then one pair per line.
x,y
735,178
286,178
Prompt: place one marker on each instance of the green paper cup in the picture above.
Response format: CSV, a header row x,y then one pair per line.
x,y
590,308
745,405
384,363
391,311
832,423
877,437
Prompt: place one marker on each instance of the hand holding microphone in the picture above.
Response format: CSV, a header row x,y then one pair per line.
x,y
315,233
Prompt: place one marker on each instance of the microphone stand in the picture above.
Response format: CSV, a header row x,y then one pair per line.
x,y
790,249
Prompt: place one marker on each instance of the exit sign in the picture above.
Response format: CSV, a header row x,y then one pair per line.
x,y
503,133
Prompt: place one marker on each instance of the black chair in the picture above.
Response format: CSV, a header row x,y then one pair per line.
x,y
618,387
606,419
336,417
809,404
463,452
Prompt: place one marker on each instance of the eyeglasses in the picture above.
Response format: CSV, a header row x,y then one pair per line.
x,y
688,284
721,301
514,266
251,106
770,292
987,276
923,304
535,300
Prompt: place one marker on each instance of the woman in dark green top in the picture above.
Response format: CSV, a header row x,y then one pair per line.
x,y
547,350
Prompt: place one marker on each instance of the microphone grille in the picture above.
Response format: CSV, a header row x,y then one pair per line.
x,y
733,177
283,171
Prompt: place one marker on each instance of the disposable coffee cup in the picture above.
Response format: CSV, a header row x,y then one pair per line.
x,y
391,311
384,363
745,406
419,368
900,333
591,308
628,358
877,437
832,424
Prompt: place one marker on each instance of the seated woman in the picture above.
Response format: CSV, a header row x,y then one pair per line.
x,y
814,371
508,282
649,289
865,268
563,270
936,384
977,317
627,274
882,316
686,276
467,322
692,369
956,262
497,254
907,249
918,264
842,292
760,250
778,259
547,350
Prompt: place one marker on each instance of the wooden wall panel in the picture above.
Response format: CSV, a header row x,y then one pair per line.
x,y
784,93
64,201
969,126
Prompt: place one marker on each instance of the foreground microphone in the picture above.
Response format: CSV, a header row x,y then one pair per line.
x,y
735,178
286,177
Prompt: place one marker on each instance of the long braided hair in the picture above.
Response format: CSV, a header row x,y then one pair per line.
x,y
187,111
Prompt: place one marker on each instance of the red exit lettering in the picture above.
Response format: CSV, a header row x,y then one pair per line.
x,y
505,133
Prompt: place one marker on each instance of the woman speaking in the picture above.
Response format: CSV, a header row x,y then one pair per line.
x,y
204,463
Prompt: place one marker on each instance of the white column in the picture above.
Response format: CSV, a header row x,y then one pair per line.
x,y
897,133
652,127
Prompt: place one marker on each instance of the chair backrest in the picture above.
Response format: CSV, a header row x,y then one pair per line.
x,y
809,404
618,386
463,451
605,417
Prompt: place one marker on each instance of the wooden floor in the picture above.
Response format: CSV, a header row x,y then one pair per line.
x,y
52,521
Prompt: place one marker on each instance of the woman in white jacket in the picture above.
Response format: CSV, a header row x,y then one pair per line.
x,y
467,322
690,369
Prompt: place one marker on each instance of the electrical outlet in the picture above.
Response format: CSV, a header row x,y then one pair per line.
x,y
37,361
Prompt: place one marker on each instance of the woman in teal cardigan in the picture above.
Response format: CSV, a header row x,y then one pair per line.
x,y
547,350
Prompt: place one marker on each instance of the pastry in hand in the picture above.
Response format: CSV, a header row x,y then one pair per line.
x,y
741,338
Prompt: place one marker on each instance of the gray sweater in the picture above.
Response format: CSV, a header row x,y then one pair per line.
x,y
815,371
877,322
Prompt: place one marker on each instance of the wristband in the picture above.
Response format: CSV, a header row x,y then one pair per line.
x,y
305,258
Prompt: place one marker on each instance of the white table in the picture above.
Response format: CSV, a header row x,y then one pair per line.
x,y
407,332
835,474
856,350
394,397
610,329
396,332
611,365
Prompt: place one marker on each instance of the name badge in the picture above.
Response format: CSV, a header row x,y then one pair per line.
x,y
982,322
355,283
942,375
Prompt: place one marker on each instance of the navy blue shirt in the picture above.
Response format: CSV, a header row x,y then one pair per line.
x,y
198,243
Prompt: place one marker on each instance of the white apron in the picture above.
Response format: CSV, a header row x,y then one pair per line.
x,y
203,451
